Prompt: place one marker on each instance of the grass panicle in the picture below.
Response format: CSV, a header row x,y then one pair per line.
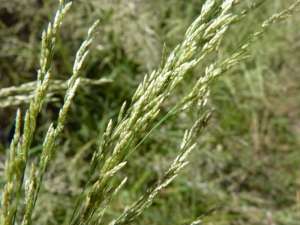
x,y
136,121
24,93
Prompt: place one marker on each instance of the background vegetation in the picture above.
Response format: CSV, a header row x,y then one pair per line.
x,y
247,160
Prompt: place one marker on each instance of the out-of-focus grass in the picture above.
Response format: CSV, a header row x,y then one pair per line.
x,y
247,159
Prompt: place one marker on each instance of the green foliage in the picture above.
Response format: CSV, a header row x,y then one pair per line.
x,y
58,170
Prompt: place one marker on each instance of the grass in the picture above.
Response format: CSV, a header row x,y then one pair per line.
x,y
244,167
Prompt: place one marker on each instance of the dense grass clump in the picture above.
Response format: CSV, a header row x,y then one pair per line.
x,y
96,141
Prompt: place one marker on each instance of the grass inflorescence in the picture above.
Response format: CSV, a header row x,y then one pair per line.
x,y
153,122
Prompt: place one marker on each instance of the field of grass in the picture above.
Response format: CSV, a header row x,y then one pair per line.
x,y
245,168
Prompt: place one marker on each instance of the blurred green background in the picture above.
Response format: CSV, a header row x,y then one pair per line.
x,y
246,161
